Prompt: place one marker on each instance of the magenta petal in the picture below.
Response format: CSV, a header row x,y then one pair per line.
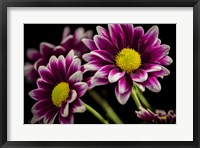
x,y
153,84
46,74
75,66
122,98
88,34
41,107
88,57
66,32
39,63
39,110
122,85
151,67
61,67
28,67
64,110
76,77
90,44
50,116
150,112
67,42
78,107
149,39
158,42
104,71
92,82
138,33
54,69
117,35
129,33
148,116
37,119
160,113
139,76
33,54
91,66
144,115
72,97
103,32
163,72
30,73
44,85
78,35
46,49
140,86
59,50
104,55
80,49
69,59
104,44
155,53
165,61
40,94
115,75
81,88
66,120
100,55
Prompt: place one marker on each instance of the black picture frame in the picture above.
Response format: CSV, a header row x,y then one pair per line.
x,y
4,4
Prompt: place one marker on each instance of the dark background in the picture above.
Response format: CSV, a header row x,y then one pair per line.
x,y
34,34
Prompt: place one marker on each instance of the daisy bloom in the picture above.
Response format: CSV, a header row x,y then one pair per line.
x,y
60,88
128,56
160,116
68,42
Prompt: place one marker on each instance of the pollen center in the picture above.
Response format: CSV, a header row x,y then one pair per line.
x,y
128,60
60,93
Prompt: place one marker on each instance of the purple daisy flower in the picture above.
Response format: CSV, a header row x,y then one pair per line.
x,y
60,88
126,55
160,116
68,42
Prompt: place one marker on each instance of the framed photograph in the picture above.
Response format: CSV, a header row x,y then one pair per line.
x,y
84,73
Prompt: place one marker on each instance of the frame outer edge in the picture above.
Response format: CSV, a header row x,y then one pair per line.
x,y
196,70
3,75
101,3
3,138
1,112
198,75
3,86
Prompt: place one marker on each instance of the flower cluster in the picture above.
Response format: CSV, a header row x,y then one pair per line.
x,y
41,57
128,56
124,55
59,90
160,116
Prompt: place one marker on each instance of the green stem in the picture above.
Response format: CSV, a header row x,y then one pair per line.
x,y
105,105
135,98
143,99
95,113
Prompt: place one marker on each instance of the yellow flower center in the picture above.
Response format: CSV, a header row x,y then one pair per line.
x,y
128,60
164,117
60,93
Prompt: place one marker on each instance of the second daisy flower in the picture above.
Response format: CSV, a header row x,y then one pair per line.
x,y
128,56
